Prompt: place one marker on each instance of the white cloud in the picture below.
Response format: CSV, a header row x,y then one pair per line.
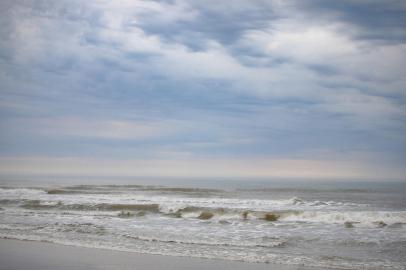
x,y
303,44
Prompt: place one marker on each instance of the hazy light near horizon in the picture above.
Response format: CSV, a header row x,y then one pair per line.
x,y
196,168
203,88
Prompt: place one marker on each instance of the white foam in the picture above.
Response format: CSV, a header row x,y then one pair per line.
x,y
361,217
6,193
170,204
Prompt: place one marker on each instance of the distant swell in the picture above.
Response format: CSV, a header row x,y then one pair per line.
x,y
92,207
107,189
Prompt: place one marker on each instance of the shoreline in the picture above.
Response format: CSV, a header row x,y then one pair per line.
x,y
35,255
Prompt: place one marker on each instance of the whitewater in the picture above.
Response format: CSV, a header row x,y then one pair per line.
x,y
333,227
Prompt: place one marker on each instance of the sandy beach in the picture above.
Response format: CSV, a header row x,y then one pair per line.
x,y
16,254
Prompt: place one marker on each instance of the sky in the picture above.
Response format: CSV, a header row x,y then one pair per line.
x,y
302,89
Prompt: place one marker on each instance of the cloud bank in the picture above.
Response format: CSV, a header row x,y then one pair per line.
x,y
186,82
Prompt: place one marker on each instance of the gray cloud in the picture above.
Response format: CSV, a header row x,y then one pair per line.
x,y
380,21
220,21
251,78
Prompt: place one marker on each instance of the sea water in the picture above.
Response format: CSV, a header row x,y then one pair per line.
x,y
328,225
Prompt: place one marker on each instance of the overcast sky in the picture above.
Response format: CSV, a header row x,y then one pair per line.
x,y
204,88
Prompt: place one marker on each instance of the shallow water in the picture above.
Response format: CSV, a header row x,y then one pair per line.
x,y
342,226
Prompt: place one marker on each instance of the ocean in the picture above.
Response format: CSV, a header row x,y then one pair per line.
x,y
337,225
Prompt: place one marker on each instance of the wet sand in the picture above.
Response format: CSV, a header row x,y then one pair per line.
x,y
20,255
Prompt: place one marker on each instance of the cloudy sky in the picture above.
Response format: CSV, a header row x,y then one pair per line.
x,y
204,88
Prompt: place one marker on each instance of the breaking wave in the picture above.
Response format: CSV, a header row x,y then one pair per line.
x,y
343,229
354,218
